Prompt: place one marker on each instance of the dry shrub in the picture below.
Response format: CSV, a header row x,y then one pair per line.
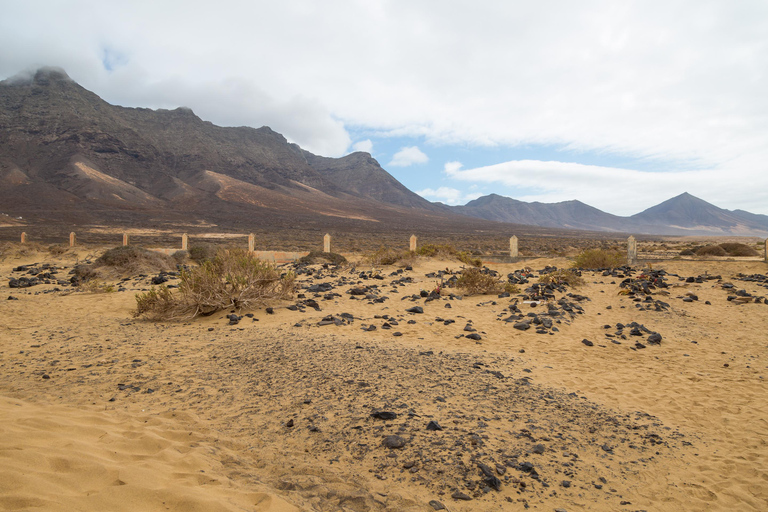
x,y
180,257
58,249
389,256
599,258
131,259
738,249
475,281
562,276
202,251
323,257
232,279
711,250
95,286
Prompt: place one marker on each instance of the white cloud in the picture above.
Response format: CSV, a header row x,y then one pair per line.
x,y
682,83
363,145
408,156
451,168
448,195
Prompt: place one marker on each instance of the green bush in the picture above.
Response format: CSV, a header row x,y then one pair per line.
x,y
232,279
599,258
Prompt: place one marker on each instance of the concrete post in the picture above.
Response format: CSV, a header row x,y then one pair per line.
x,y
184,242
327,243
513,247
766,250
125,239
251,242
72,239
413,243
24,237
631,250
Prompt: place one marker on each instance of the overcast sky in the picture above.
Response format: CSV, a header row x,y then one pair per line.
x,y
619,104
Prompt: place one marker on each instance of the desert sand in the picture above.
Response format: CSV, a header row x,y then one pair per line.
x,y
100,411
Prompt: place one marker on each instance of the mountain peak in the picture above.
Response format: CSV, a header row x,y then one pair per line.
x,y
41,76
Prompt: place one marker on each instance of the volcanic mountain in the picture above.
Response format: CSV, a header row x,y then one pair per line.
x,y
65,154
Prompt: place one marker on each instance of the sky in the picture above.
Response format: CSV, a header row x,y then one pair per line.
x,y
621,105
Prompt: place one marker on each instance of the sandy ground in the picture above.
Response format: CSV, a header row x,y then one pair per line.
x,y
99,411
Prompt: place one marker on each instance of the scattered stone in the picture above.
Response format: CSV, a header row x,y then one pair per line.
x,y
433,426
384,415
458,495
436,505
393,442
587,342
415,309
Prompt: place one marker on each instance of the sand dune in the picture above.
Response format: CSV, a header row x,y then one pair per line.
x,y
103,412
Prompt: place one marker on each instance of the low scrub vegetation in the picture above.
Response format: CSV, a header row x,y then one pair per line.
x,y
133,259
231,279
202,251
599,258
389,256
323,257
724,249
477,281
562,276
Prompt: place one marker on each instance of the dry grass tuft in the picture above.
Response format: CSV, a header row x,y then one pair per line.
x,y
563,276
389,256
599,259
232,279
476,281
448,252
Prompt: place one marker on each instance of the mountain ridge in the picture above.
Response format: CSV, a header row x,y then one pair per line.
x,y
68,156
684,214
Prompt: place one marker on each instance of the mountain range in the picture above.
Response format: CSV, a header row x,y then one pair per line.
x,y
67,156
680,215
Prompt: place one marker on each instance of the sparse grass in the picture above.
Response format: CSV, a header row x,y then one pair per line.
x,y
95,286
562,276
476,281
232,279
323,257
389,256
599,258
58,249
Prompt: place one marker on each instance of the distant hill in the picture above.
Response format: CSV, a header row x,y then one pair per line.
x,y
681,215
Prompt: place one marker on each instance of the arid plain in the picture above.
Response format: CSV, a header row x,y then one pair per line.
x,y
358,404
